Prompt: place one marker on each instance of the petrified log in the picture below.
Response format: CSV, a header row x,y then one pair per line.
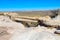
x,y
28,24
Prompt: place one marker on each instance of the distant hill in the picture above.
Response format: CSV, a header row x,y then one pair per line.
x,y
38,13
51,13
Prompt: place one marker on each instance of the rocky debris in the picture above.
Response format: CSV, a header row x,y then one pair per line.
x,y
11,14
5,19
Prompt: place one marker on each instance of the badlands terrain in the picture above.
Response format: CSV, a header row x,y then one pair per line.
x,y
12,30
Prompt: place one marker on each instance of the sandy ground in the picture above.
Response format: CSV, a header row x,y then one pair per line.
x,y
4,35
34,34
28,34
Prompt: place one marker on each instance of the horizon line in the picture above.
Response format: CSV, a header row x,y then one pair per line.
x,y
27,9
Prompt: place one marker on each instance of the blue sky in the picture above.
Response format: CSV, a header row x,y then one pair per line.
x,y
22,5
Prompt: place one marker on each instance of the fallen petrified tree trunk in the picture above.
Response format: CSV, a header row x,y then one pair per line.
x,y
46,21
